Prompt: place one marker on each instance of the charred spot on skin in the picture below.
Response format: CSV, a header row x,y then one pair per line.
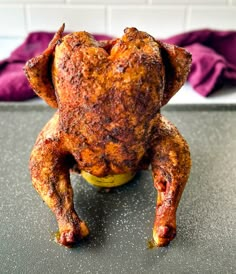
x,y
78,44
168,177
31,63
161,186
166,232
107,119
163,159
59,41
116,131
128,163
168,202
120,68
112,139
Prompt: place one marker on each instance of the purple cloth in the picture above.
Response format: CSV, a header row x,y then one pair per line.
x,y
13,84
214,61
214,58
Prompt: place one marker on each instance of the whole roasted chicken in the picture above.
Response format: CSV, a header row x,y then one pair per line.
x,y
108,96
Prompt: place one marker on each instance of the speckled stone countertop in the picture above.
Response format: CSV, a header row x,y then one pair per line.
x,y
121,221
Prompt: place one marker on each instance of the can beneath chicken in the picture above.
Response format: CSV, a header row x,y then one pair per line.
x,y
108,181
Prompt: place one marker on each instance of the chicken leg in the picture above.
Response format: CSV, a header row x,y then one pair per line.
x,y
171,165
49,166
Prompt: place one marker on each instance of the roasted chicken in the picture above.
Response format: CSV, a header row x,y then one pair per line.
x,y
108,96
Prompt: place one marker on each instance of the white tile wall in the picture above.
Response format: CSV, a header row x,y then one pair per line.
x,y
169,2
159,21
161,18
12,20
50,18
212,17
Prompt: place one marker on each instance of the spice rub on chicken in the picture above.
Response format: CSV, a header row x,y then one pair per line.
x,y
108,97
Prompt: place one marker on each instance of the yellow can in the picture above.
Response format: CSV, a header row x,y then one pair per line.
x,y
108,181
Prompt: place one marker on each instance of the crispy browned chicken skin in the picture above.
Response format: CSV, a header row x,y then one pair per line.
x,y
108,121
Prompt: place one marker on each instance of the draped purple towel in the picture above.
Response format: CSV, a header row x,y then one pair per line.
x,y
214,58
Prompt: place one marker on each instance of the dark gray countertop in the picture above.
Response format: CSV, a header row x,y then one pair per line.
x,y
121,221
